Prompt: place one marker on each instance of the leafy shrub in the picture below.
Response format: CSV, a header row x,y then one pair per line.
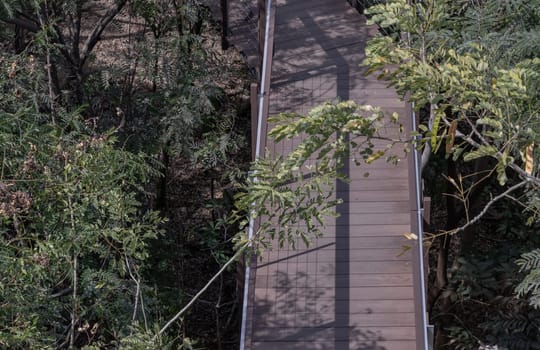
x,y
73,232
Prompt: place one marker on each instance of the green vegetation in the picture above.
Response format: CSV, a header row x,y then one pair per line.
x,y
120,154
123,155
472,70
330,130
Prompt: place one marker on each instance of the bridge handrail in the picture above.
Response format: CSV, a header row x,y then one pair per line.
x,y
269,11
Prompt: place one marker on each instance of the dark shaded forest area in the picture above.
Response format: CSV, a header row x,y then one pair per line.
x,y
123,136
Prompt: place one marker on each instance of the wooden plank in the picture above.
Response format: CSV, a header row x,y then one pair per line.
x,y
378,196
358,280
337,294
289,5
327,242
289,51
295,10
329,269
340,230
312,334
366,255
319,64
373,183
360,219
359,307
395,243
360,344
317,319
299,26
377,218
375,207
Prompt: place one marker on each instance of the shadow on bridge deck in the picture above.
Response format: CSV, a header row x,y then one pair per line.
x,y
353,288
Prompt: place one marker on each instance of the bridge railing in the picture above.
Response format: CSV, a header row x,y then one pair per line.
x,y
260,100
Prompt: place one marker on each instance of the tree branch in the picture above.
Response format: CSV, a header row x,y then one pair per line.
x,y
93,38
26,24
76,33
63,46
487,206
194,299
137,290
524,174
427,146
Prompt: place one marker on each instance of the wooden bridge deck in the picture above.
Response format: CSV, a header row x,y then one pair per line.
x,y
353,288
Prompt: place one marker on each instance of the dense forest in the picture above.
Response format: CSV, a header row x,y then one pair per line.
x,y
124,133
472,70
123,138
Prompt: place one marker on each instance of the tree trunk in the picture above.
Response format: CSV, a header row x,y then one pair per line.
x,y
179,17
18,42
441,280
224,24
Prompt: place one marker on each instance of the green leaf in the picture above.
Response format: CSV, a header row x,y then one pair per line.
x,y
482,151
490,122
501,174
375,156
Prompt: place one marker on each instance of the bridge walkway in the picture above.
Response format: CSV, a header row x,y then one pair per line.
x,y
353,288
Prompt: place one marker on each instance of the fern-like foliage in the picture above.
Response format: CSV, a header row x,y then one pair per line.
x,y
529,261
514,329
296,194
75,198
530,286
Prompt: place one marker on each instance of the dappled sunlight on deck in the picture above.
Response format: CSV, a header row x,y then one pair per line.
x,y
353,288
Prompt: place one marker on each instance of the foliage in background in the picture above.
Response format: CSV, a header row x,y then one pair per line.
x,y
74,235
472,71
85,116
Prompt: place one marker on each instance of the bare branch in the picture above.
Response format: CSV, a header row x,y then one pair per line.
x,y
137,291
94,36
533,179
487,206
75,302
23,23
239,252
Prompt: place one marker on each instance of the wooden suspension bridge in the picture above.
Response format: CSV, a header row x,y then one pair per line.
x,y
354,288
